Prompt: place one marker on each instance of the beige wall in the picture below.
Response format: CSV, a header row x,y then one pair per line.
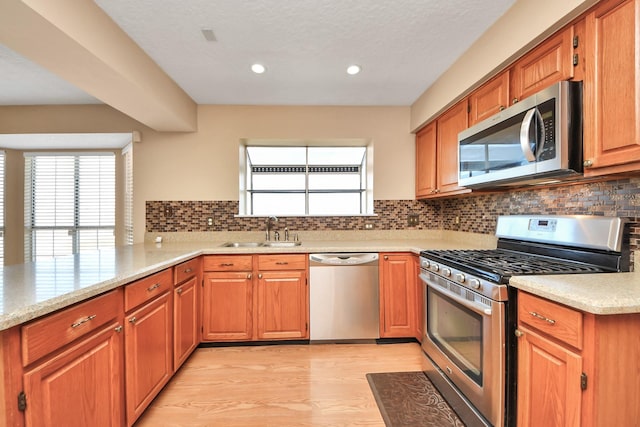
x,y
523,26
203,165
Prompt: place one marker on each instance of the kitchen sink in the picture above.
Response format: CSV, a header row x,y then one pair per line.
x,y
282,244
271,244
242,244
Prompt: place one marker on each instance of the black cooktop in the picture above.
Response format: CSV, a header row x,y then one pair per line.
x,y
498,265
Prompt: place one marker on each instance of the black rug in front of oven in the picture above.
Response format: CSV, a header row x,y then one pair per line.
x,y
408,399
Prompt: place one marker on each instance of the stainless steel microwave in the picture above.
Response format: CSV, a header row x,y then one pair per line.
x,y
537,140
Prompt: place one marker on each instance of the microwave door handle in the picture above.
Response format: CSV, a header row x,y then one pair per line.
x,y
525,142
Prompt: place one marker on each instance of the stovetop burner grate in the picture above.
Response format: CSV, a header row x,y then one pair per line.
x,y
499,264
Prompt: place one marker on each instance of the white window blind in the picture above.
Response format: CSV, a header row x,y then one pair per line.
x,y
69,203
127,153
2,179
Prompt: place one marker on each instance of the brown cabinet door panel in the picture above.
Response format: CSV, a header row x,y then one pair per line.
x,y
185,321
149,353
282,305
227,306
82,386
612,88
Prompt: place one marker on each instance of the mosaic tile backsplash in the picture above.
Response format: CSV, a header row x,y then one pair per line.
x,y
476,212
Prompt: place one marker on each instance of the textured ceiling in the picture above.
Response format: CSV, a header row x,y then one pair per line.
x,y
306,45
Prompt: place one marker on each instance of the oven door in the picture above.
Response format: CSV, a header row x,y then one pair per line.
x,y
465,339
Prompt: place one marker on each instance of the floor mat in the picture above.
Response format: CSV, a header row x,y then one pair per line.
x,y
409,399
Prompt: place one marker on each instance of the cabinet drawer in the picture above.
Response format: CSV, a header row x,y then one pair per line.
x,y
146,289
282,262
228,263
557,321
54,331
185,270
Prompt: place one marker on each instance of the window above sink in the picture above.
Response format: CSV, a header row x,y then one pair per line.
x,y
306,180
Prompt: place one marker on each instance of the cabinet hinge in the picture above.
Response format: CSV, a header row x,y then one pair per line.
x,y
306,326
583,381
576,59
576,41
22,401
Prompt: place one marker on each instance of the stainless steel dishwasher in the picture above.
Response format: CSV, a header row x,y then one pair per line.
x,y
344,297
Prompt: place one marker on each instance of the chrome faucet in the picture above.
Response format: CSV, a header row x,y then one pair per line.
x,y
269,224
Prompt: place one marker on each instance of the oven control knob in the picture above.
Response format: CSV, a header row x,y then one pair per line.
x,y
446,272
475,284
425,263
435,267
460,277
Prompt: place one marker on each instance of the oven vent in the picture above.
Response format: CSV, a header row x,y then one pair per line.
x,y
456,289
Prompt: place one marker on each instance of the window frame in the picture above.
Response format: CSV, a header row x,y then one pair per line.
x,y
75,229
366,178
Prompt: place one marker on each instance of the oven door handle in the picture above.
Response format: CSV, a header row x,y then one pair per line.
x,y
477,308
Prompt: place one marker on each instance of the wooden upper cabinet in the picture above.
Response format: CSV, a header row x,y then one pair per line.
x,y
450,124
426,161
548,63
612,88
489,98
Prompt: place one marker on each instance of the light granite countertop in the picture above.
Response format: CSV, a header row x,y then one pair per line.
x,y
604,293
31,290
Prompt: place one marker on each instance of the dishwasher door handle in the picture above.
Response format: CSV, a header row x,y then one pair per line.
x,y
344,258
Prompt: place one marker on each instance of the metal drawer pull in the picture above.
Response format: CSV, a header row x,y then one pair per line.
x,y
282,263
226,264
151,288
179,291
83,321
133,320
188,270
541,317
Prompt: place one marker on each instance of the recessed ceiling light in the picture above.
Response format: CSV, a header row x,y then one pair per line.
x,y
353,69
208,34
258,68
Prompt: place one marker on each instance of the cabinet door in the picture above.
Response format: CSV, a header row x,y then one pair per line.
x,y
227,306
550,62
612,88
426,162
489,99
549,392
282,304
397,295
82,386
186,334
149,351
450,124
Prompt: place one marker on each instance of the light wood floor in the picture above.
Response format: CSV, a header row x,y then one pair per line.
x,y
283,385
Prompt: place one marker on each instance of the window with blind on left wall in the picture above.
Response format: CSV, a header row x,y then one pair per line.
x,y
70,203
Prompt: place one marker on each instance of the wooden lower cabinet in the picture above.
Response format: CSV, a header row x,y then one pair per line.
x,y
282,305
549,391
227,301
82,386
573,367
269,301
398,278
186,330
149,352
186,310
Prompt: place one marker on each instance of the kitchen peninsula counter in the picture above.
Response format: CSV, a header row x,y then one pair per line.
x,y
31,290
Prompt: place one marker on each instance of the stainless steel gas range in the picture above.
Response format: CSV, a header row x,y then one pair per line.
x,y
471,311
